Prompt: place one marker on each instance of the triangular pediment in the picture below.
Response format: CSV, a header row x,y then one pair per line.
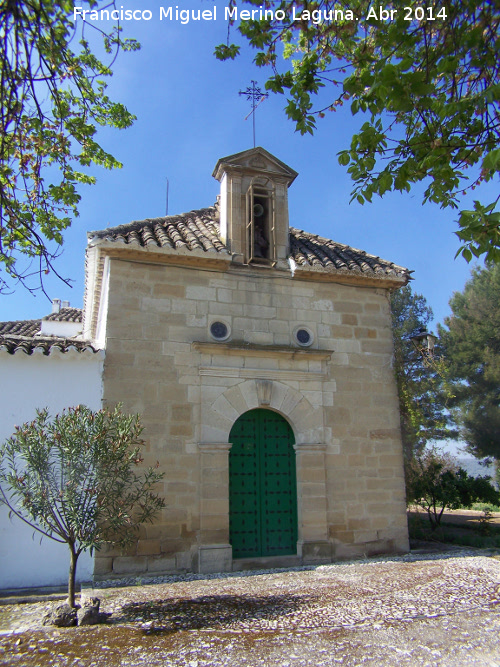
x,y
255,160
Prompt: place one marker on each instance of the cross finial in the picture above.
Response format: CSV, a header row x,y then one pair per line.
x,y
253,94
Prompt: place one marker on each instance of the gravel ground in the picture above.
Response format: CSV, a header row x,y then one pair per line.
x,y
413,610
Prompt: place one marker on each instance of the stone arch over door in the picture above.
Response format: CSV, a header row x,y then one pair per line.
x,y
262,486
305,419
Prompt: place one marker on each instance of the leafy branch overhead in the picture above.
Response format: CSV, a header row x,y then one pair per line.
x,y
424,79
53,99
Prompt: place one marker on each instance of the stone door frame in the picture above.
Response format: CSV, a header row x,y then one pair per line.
x,y
306,421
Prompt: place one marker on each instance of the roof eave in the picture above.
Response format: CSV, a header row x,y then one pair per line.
x,y
165,254
350,277
33,347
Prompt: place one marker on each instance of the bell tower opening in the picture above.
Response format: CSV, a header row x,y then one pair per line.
x,y
254,207
260,237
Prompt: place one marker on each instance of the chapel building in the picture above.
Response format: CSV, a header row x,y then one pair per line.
x,y
259,357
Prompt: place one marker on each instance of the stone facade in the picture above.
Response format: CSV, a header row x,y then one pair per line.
x,y
338,393
206,321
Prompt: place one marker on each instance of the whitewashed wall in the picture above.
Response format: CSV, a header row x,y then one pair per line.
x,y
29,382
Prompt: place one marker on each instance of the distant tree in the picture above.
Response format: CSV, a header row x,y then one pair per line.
x,y
436,483
425,78
52,99
421,390
73,479
471,338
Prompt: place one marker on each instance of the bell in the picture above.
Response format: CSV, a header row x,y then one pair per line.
x,y
258,210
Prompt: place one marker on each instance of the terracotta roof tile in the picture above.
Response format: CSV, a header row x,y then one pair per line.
x,y
20,328
46,346
320,253
24,335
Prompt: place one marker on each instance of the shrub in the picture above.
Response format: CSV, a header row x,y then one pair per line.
x,y
73,478
435,483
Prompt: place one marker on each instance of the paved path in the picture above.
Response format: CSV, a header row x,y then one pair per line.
x,y
441,611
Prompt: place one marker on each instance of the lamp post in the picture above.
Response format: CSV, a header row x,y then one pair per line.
x,y
424,343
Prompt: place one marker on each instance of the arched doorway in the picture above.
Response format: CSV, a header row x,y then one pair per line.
x,y
262,486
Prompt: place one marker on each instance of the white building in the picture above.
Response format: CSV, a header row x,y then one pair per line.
x,y
43,363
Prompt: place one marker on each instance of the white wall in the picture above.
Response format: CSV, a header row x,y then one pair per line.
x,y
26,383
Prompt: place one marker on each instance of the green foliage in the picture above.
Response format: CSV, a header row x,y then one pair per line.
x,y
422,392
485,521
435,483
53,98
471,338
426,83
481,507
480,231
75,479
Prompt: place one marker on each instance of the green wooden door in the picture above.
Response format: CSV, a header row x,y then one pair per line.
x,y
262,486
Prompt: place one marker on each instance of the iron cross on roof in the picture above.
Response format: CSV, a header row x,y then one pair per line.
x,y
253,94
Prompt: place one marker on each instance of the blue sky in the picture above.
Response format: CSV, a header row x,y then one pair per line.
x,y
189,114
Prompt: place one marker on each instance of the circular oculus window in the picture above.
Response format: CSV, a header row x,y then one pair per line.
x,y
219,330
303,336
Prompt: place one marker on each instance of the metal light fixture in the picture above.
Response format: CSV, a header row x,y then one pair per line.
x,y
424,342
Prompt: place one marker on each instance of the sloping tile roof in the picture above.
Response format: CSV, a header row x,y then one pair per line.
x,y
320,253
66,315
196,230
24,336
199,230
20,328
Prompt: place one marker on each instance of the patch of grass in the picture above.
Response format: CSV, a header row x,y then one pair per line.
x,y
418,527
470,538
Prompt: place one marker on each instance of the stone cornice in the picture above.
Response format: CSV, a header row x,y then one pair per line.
x,y
155,255
348,278
251,350
260,373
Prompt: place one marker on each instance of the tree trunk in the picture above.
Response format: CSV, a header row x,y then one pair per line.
x,y
72,575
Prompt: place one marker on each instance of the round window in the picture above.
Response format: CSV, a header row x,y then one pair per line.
x,y
303,336
219,330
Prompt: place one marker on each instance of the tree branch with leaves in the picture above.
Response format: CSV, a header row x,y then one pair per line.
x,y
436,483
426,83
52,100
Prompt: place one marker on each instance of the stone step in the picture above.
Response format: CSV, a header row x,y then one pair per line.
x,y
265,563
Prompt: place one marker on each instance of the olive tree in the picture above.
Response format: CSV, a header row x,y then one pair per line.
x,y
77,479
